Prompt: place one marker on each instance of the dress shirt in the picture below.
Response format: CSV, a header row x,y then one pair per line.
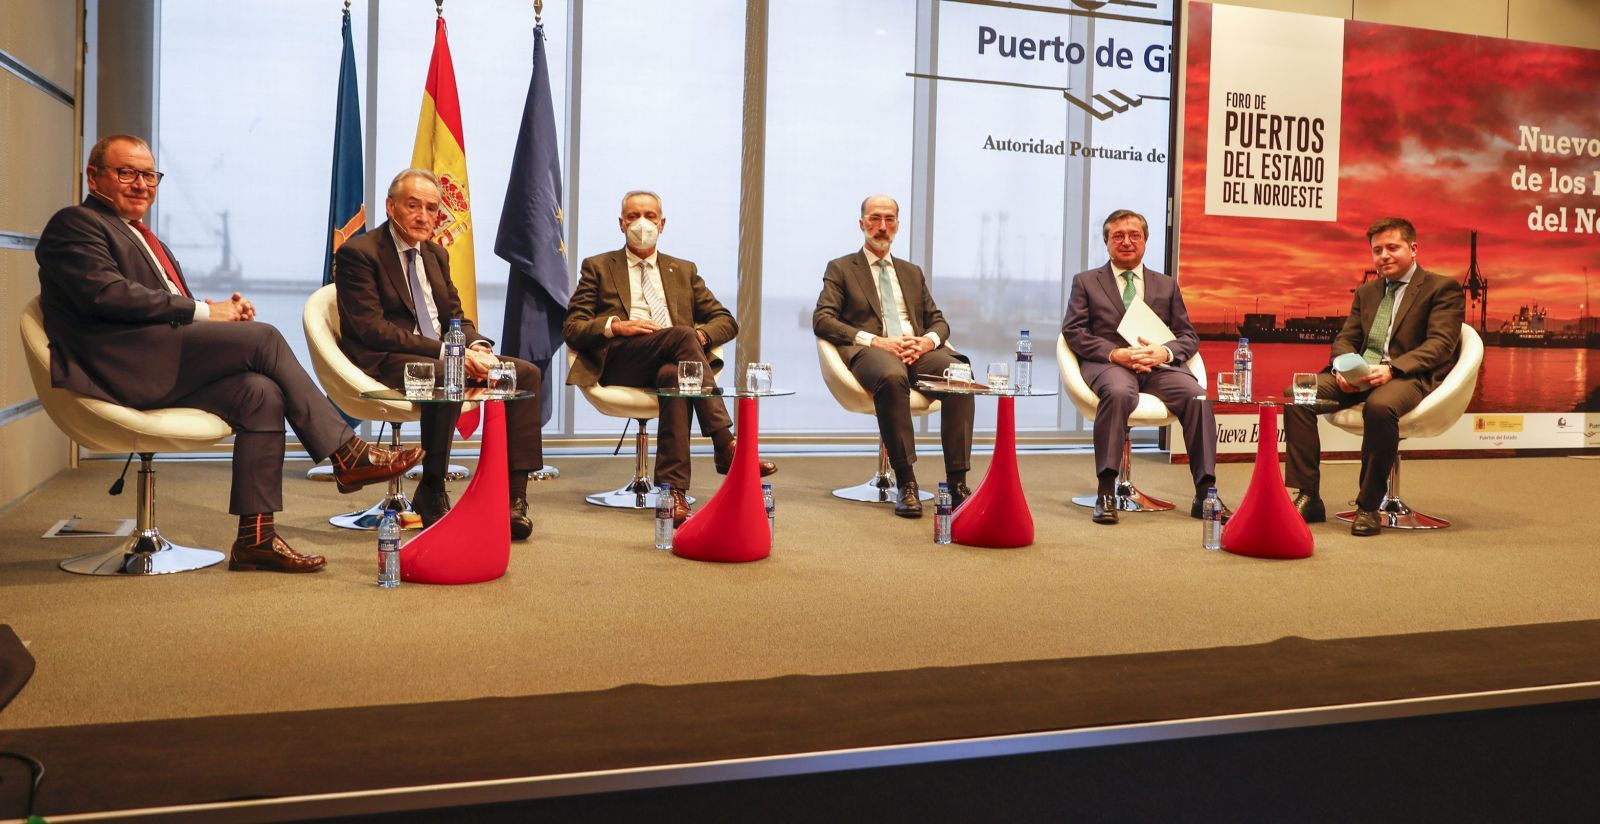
x,y
638,308
202,311
863,337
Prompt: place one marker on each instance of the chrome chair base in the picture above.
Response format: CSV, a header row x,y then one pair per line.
x,y
455,472
145,553
545,473
635,495
878,489
1394,514
1129,499
368,518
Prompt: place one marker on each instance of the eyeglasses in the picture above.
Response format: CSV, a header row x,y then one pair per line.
x,y
883,220
126,175
1131,237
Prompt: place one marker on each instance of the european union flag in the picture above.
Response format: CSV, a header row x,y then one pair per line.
x,y
347,212
530,236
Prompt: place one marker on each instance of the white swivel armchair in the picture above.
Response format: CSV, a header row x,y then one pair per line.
x,y
1438,412
108,427
1150,412
851,395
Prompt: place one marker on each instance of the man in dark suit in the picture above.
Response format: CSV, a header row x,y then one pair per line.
x,y
1118,372
1407,326
396,301
123,328
635,314
880,313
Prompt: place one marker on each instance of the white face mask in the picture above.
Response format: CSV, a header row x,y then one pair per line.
x,y
642,234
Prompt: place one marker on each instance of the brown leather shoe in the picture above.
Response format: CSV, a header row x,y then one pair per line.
x,y
724,462
680,506
1366,524
276,556
521,524
373,463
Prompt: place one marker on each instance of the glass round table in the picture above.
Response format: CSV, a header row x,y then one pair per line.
x,y
472,542
996,514
732,526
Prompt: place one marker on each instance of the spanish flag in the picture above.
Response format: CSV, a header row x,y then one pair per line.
x,y
442,148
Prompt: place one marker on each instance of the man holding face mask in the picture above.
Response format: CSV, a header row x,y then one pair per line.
x,y
634,316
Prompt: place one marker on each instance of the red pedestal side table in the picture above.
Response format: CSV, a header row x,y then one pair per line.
x,y
1266,524
996,514
732,526
472,542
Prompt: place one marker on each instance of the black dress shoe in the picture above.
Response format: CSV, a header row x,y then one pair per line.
x,y
1366,524
521,524
430,505
958,493
1310,508
1197,508
910,503
1105,509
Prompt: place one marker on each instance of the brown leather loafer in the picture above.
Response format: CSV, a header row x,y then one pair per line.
x,y
374,463
680,507
276,556
724,462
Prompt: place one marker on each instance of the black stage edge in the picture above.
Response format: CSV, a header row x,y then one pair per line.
x,y
637,727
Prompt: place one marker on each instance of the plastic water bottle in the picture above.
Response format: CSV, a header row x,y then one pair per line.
x,y
943,509
1022,373
389,550
1243,363
1211,521
664,523
455,359
772,510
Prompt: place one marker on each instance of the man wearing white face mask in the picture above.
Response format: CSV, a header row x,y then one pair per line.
x,y
877,309
635,314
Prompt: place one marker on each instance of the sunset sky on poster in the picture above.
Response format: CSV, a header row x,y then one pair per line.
x,y
1430,132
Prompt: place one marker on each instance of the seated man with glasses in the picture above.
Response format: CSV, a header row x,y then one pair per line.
x,y
1118,372
124,328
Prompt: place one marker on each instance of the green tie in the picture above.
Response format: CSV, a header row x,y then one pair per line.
x,y
1127,291
891,312
1380,324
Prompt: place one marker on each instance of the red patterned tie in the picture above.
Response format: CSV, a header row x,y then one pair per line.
x,y
161,255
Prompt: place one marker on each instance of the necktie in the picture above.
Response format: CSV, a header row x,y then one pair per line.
x,y
161,255
654,300
425,322
891,311
1128,293
1380,324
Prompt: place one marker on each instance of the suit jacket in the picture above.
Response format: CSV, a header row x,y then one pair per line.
x,y
850,303
603,292
112,323
1095,308
377,318
1424,330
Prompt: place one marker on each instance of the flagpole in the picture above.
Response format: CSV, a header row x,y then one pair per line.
x,y
548,472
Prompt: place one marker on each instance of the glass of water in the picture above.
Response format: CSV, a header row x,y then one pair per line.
x,y
999,375
503,378
758,378
689,375
1228,387
419,379
1305,387
958,373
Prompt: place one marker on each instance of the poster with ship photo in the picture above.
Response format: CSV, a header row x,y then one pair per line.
x,y
1491,147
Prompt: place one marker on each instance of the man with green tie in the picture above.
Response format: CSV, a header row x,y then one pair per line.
x,y
879,311
1406,324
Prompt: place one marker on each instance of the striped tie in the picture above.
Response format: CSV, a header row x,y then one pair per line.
x,y
1380,324
653,299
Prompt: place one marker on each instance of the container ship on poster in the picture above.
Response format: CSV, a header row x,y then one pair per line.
x,y
1262,327
1528,330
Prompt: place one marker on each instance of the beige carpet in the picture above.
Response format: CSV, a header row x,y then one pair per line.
x,y
588,604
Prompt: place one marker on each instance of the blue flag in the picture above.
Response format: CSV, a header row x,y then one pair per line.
x,y
530,236
347,211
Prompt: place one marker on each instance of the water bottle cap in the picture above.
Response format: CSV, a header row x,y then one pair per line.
x,y
455,323
1024,333
1243,341
387,513
766,487
944,485
1211,490
665,487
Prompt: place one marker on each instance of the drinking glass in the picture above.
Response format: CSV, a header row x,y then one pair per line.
x,y
689,375
957,373
1228,387
758,377
503,378
419,379
999,375
1305,387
